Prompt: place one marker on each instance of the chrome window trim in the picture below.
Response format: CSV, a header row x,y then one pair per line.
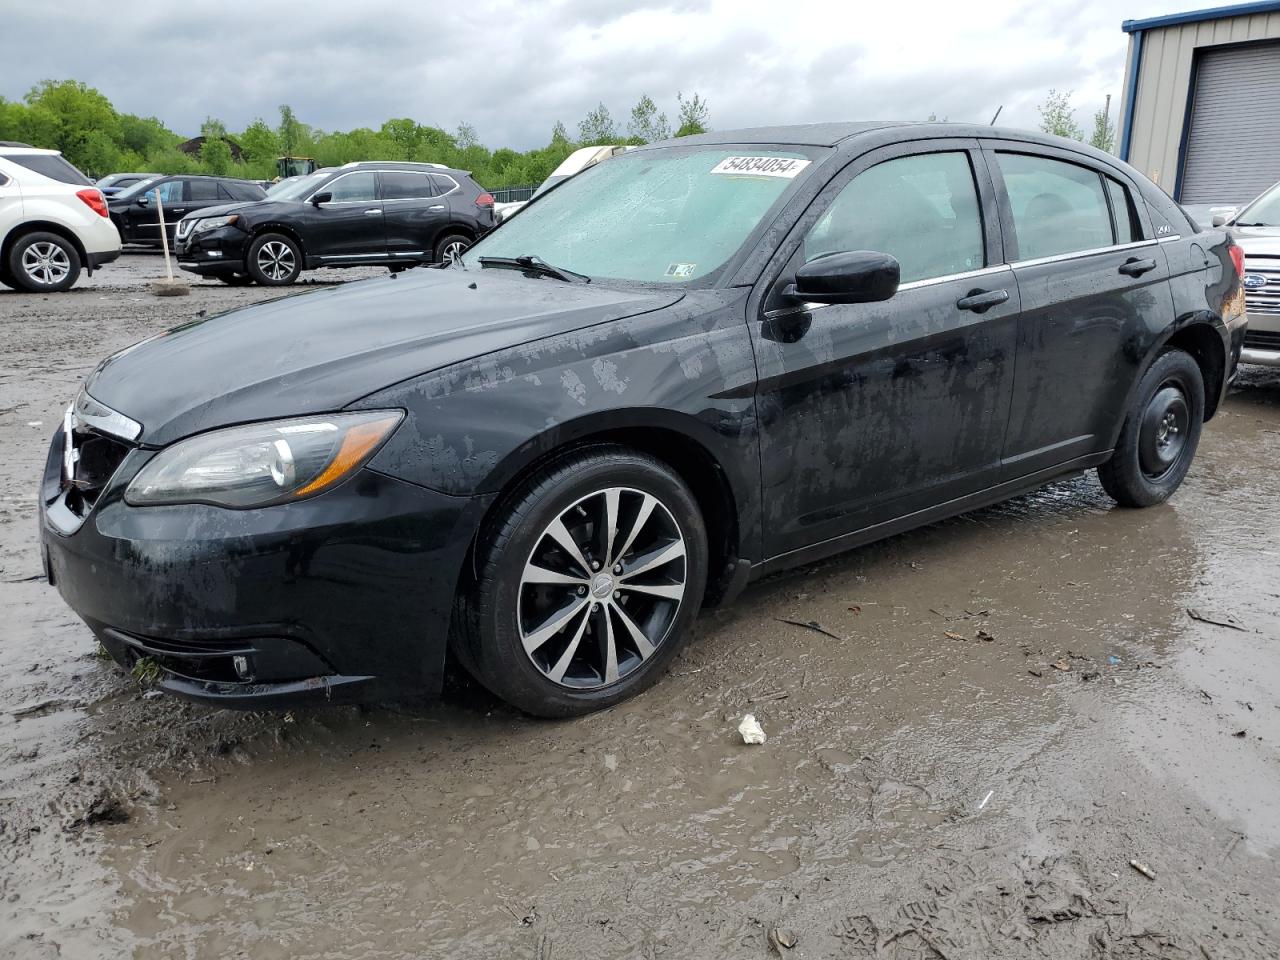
x,y
1079,254
933,281
425,173
98,416
1176,236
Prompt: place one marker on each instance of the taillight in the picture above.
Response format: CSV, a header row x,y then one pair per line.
x,y
484,200
95,201
1237,257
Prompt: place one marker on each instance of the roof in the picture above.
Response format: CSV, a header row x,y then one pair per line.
x,y
1195,16
803,134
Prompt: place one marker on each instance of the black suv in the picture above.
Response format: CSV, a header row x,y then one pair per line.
x,y
136,214
360,214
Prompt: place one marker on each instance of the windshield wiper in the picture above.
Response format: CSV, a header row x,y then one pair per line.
x,y
535,264
1256,223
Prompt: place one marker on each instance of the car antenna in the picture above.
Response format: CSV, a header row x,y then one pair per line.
x,y
993,119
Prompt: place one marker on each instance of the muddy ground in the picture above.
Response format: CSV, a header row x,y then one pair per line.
x,y
1014,706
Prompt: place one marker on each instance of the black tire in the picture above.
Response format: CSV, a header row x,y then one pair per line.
x,y
42,263
235,279
450,246
502,603
6,279
1160,434
273,260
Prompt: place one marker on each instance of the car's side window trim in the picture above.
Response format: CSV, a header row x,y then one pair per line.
x,y
419,173
992,149
327,187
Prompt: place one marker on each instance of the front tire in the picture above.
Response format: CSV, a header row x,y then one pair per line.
x,y
235,279
43,263
273,260
1160,433
590,579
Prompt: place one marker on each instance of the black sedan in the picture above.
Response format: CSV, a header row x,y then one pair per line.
x,y
701,362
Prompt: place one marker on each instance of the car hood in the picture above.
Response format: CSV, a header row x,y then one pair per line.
x,y
269,207
320,351
1259,241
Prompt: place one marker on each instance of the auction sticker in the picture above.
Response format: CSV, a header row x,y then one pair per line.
x,y
681,270
784,167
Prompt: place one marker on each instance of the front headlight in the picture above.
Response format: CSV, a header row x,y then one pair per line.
x,y
263,463
213,223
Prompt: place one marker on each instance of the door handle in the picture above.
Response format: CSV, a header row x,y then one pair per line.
x,y
370,213
980,301
436,206
1133,267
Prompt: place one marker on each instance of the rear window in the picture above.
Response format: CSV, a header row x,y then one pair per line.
x,y
1057,207
51,166
244,191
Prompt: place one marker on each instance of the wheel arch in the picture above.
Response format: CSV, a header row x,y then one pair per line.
x,y
275,226
668,437
453,227
42,226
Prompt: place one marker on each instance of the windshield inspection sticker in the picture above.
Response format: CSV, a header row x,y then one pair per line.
x,y
681,270
784,167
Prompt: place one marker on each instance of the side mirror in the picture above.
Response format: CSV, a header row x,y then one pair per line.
x,y
144,200
858,276
1219,220
320,198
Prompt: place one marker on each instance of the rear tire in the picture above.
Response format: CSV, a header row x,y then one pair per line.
x,y
557,638
273,260
1160,433
450,247
43,263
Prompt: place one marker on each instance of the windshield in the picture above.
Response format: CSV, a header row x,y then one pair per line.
x,y
134,190
1263,212
670,215
299,188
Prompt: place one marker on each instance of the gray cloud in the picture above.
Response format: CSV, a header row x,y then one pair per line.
x,y
512,70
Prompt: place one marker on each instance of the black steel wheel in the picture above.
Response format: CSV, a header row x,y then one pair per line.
x,y
1160,434
591,578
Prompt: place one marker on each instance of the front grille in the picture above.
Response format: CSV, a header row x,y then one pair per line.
x,y
184,228
207,661
1264,299
91,453
1262,339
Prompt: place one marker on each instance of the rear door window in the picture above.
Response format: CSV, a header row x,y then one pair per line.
x,y
50,165
203,190
401,185
1057,207
921,209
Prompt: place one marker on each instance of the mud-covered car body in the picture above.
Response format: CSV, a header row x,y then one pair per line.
x,y
802,429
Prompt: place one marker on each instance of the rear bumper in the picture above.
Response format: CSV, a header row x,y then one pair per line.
x,y
95,260
344,596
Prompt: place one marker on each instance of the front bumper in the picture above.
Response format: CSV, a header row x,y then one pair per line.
x,y
215,252
344,596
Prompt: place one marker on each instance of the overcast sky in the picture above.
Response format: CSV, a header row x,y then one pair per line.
x,y
513,69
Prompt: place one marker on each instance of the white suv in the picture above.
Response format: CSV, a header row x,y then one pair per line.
x,y
53,221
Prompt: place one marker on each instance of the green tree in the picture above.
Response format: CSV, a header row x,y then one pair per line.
x,y
1058,117
1104,132
292,132
597,127
215,156
647,123
259,142
559,134
693,116
213,128
466,137
67,114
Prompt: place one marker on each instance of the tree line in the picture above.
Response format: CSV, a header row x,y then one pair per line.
x,y
81,122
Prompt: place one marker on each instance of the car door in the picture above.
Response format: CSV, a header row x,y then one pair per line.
x,y
142,216
349,225
1091,279
869,412
200,193
414,211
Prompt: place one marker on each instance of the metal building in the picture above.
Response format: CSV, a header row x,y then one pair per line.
x,y
1201,109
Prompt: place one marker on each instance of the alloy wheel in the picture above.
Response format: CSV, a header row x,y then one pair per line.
x,y
276,260
453,251
46,263
601,588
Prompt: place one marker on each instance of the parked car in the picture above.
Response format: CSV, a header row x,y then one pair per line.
x,y
610,411
572,165
136,215
1210,214
360,214
115,182
1257,229
53,221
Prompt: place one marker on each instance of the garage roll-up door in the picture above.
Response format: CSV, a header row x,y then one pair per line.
x,y
1233,141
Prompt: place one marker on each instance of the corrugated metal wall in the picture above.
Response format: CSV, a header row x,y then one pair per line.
x,y
1164,82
